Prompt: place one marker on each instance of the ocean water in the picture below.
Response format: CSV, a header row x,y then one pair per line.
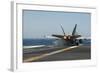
x,y
33,42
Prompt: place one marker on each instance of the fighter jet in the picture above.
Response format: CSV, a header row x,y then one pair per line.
x,y
69,39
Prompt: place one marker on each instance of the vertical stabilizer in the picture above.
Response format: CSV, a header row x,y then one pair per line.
x,y
63,30
74,30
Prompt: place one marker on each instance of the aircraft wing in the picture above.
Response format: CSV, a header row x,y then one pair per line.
x,y
76,36
84,38
58,36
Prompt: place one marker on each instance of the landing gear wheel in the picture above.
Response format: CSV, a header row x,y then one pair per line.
x,y
77,43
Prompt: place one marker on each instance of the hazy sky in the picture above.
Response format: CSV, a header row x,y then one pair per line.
x,y
37,24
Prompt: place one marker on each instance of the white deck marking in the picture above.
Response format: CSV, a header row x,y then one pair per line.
x,y
36,46
48,54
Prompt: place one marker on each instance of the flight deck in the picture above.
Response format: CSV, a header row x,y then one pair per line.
x,y
81,52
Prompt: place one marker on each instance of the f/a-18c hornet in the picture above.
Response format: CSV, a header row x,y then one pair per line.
x,y
70,39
